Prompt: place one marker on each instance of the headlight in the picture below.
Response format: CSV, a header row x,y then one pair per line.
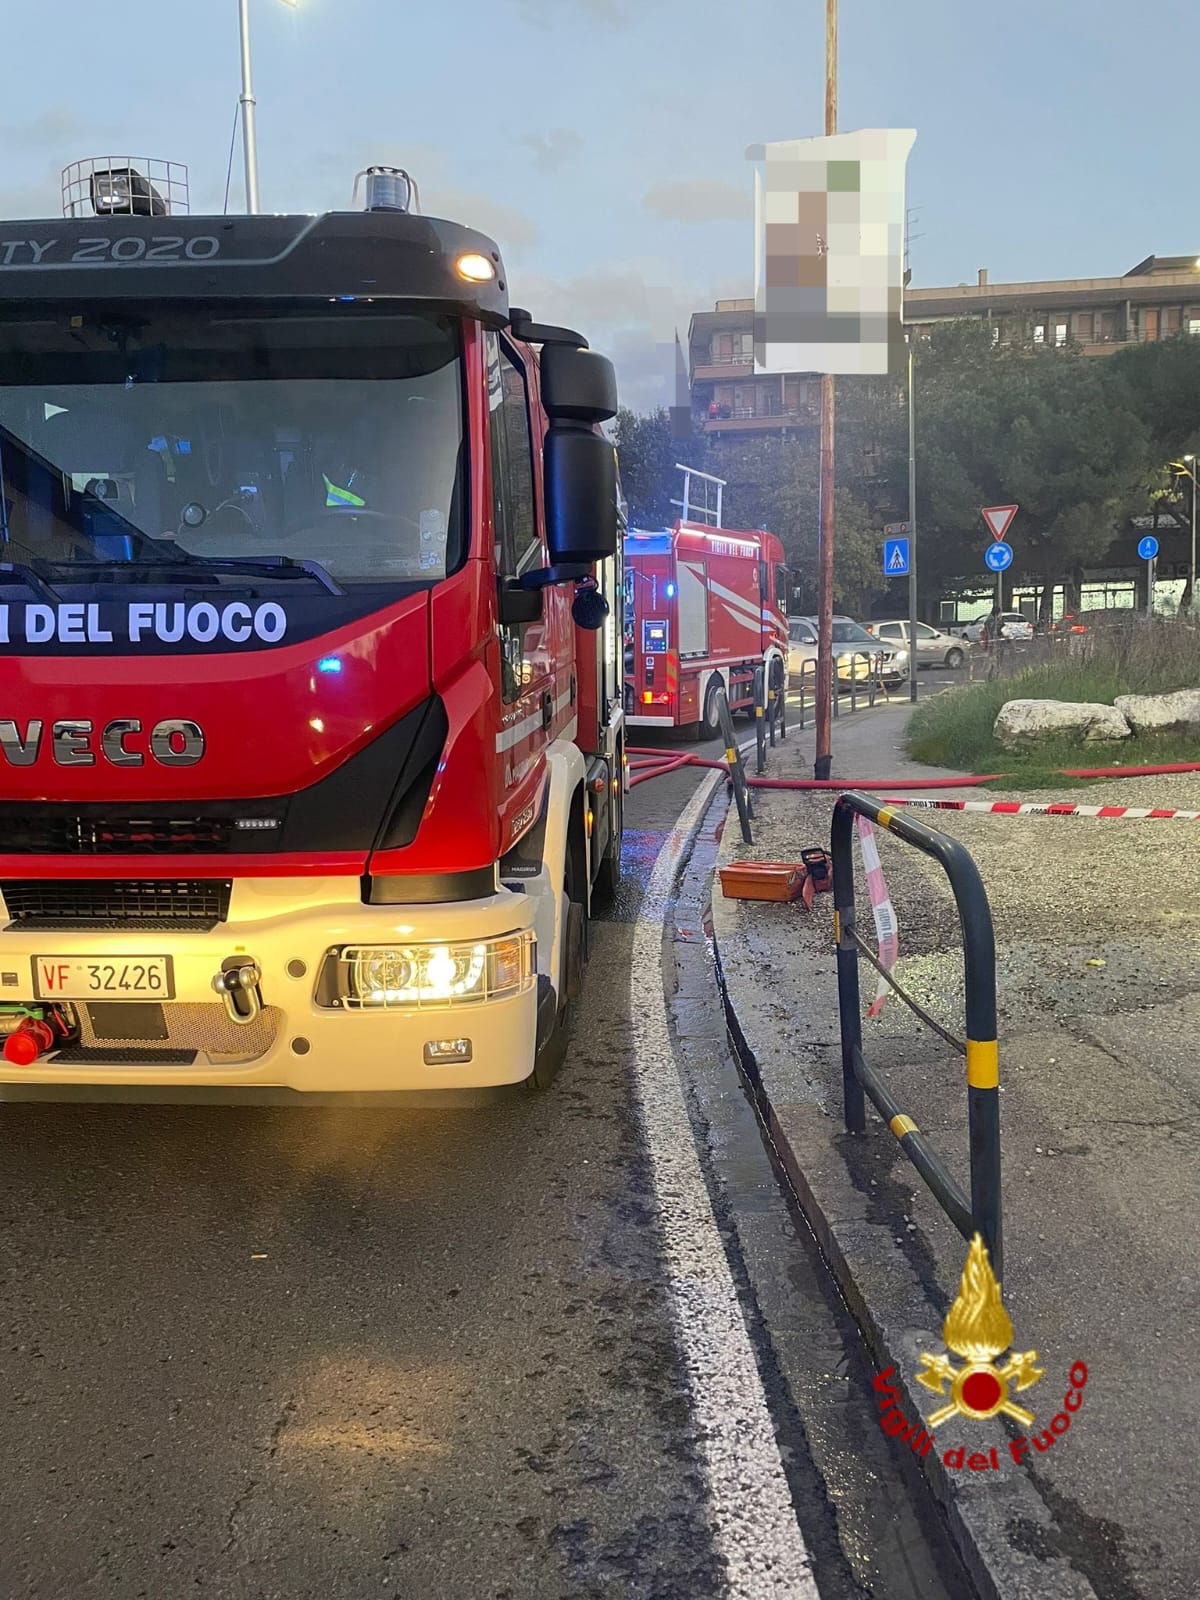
x,y
434,974
901,657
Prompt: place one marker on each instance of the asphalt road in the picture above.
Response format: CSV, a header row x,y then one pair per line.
x,y
436,1355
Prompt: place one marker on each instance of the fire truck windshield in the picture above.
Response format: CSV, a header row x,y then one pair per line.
x,y
171,435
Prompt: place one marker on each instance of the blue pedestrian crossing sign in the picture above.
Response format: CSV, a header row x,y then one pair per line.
x,y
1148,547
895,558
997,556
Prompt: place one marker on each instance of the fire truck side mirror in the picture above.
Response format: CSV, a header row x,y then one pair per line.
x,y
577,385
581,496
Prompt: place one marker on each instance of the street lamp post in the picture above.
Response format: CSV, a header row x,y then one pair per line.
x,y
247,102
249,134
1188,465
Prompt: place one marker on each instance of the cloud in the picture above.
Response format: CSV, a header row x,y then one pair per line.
x,y
699,200
439,194
553,149
54,129
512,230
631,313
608,13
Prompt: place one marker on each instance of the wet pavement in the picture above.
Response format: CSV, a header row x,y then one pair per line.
x,y
462,1354
1096,924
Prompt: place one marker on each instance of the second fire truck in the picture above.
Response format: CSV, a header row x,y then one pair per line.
x,y
704,609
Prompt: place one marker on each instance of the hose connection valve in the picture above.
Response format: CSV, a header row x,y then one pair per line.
x,y
238,985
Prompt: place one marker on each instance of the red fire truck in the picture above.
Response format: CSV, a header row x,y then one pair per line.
x,y
704,607
311,726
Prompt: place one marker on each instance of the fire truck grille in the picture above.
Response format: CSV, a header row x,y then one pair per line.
x,y
58,831
192,1028
155,903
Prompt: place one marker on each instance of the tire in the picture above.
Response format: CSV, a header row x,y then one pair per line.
x,y
710,723
608,879
550,1058
955,658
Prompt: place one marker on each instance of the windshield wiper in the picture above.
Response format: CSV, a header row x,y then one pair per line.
x,y
20,572
193,566
271,564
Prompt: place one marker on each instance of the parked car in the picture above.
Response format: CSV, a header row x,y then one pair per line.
x,y
934,648
855,651
1012,626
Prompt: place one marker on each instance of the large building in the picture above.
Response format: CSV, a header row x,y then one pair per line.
x,y
1156,299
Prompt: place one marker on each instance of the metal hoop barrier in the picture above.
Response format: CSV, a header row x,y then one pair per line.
x,y
982,1213
760,720
874,682
777,701
737,773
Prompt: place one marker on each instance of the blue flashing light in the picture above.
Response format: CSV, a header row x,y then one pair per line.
x,y
347,299
329,664
670,591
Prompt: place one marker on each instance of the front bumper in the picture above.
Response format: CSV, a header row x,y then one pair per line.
x,y
287,927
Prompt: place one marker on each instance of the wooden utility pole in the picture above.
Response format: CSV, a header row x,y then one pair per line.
x,y
825,600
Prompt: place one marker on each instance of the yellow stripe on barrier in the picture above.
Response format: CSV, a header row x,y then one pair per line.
x,y
983,1063
884,819
837,927
731,755
901,1125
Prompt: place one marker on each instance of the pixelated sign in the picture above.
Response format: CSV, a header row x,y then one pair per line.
x,y
829,252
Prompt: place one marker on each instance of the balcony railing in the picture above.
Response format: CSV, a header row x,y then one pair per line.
x,y
758,414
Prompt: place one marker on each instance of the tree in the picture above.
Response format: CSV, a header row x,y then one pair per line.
x,y
1054,431
647,452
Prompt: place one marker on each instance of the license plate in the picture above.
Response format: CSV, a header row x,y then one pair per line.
x,y
109,978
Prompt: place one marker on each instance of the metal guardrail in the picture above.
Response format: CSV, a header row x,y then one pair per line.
x,y
873,682
737,772
982,1212
769,713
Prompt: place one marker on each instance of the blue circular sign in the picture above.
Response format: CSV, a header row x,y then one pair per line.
x,y
998,556
1148,547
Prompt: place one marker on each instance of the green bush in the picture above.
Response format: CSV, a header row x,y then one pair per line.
x,y
955,729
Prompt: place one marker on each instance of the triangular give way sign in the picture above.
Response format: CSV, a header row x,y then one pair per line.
x,y
998,519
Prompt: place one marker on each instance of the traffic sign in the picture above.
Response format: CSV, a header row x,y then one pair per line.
x,y
998,519
895,558
1148,547
998,556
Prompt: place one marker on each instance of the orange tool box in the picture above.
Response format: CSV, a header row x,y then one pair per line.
x,y
763,880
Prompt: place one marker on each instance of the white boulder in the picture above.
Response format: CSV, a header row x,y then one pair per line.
x,y
1162,713
1023,724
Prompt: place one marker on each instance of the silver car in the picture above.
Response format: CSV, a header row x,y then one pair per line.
x,y
854,650
1012,626
934,648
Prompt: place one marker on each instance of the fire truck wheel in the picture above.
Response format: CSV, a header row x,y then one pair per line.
x,y
710,726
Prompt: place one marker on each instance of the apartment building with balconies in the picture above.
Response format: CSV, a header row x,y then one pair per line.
x,y
1157,299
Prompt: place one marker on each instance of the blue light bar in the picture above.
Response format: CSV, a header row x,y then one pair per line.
x,y
329,664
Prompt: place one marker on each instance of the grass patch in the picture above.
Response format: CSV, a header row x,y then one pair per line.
x,y
955,729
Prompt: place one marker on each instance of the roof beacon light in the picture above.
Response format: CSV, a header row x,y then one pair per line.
x,y
387,189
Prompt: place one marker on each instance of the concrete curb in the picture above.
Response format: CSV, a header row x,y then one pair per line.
x,y
998,1522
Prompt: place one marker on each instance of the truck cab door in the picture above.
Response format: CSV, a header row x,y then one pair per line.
x,y
526,679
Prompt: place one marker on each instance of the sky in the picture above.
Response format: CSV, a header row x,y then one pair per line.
x,y
602,143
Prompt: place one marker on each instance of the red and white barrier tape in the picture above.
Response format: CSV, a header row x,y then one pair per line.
x,y
887,928
1030,808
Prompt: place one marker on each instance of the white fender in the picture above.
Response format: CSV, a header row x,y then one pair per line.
x,y
565,800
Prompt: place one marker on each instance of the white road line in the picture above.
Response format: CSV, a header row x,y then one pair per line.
x,y
755,1527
